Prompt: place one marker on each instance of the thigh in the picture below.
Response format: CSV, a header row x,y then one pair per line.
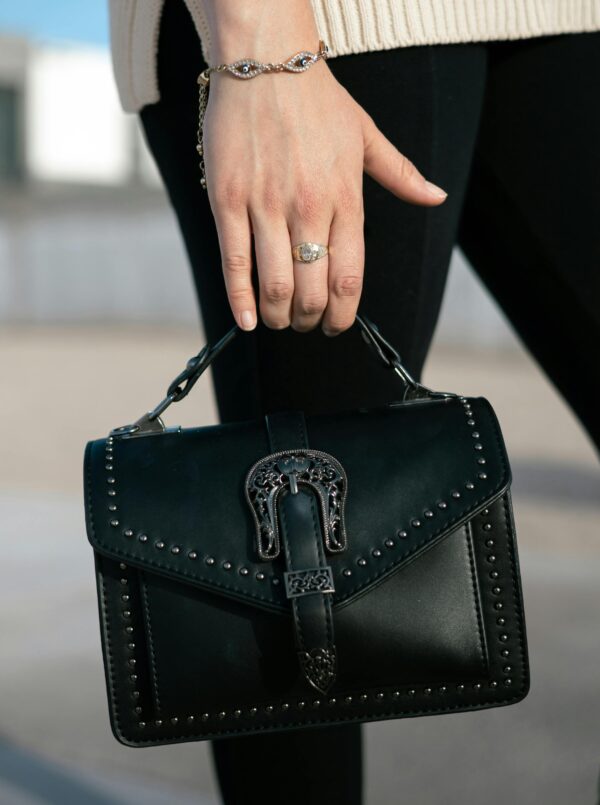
x,y
427,101
530,219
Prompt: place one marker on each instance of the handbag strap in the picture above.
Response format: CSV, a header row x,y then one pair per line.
x,y
308,577
181,385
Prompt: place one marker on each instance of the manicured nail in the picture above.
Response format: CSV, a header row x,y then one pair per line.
x,y
247,320
435,190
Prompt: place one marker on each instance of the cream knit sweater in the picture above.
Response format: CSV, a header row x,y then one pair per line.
x,y
349,26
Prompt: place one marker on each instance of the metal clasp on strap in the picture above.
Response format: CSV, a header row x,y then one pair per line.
x,y
308,582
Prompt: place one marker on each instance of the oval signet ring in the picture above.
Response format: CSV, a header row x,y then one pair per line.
x,y
309,252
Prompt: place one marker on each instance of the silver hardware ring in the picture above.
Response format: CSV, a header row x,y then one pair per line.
x,y
309,252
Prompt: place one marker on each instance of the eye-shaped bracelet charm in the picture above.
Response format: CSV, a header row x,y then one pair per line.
x,y
249,68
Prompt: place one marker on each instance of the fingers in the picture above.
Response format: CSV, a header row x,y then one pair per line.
x,y
310,222
346,267
275,268
235,243
384,163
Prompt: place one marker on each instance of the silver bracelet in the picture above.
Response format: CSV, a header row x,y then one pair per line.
x,y
249,68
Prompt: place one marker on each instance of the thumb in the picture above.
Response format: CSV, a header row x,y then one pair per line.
x,y
384,163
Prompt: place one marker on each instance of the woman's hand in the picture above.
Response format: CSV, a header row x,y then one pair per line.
x,y
284,159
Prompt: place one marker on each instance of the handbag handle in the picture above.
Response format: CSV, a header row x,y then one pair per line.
x,y
181,386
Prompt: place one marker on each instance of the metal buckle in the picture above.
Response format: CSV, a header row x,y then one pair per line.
x,y
307,582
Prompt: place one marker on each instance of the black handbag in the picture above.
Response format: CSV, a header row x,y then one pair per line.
x,y
297,571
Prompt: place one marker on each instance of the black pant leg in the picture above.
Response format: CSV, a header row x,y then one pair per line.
x,y
530,220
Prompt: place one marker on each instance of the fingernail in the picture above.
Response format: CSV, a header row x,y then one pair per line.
x,y
435,190
247,320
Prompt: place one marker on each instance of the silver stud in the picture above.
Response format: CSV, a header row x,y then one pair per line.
x,y
301,705
205,716
442,504
507,669
143,538
428,691
496,590
481,460
133,678
135,694
260,576
460,688
380,696
491,558
489,543
285,706
128,532
269,708
175,549
110,480
190,719
222,714
122,565
226,565
124,598
493,684
114,523
487,527
428,513
348,699
363,697
469,485
508,682
412,692
108,466
503,637
362,562
109,449
475,434
442,689
141,724
416,523
209,560
192,555
131,646
112,507
403,534
456,494
129,629
470,421
499,605
389,543
237,713
160,545
477,685
132,662
494,574
275,581
123,581
347,572
137,710
396,694
478,446
376,553
482,475
244,571
112,492
126,613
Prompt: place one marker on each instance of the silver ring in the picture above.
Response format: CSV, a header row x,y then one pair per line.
x,y
309,252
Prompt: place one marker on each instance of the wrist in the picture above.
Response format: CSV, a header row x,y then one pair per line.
x,y
265,30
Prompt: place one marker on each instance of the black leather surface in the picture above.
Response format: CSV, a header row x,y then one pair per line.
x,y
431,623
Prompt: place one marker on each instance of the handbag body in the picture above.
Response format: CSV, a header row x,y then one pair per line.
x,y
300,571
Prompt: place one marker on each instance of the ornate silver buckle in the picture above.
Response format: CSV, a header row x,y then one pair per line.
x,y
290,469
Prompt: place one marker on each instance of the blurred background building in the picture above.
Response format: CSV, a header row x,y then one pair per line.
x,y
97,314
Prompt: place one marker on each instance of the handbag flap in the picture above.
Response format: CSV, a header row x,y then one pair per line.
x,y
174,503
